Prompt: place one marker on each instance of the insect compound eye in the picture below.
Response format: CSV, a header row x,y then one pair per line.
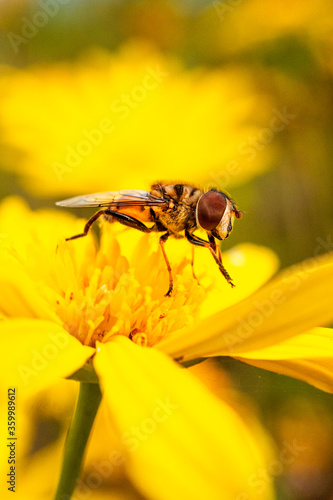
x,y
210,209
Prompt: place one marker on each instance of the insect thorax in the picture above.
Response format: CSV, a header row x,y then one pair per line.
x,y
182,200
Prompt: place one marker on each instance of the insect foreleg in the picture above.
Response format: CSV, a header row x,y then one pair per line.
x,y
215,247
195,240
221,267
210,245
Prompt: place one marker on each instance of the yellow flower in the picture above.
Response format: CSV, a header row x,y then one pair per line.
x,y
110,118
68,306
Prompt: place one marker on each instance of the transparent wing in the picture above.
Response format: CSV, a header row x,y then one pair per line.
x,y
125,198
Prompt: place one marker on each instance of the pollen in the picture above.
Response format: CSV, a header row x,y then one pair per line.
x,y
117,288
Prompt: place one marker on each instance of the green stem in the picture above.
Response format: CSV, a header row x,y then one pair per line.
x,y
86,408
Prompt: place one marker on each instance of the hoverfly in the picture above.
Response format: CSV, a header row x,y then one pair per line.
x,y
174,210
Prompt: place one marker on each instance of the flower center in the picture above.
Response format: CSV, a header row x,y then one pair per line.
x,y
114,291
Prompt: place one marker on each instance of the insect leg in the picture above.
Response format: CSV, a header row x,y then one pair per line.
x,y
219,254
162,241
215,247
221,267
124,219
88,225
129,221
136,224
210,245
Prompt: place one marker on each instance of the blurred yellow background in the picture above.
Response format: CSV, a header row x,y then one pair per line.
x,y
237,94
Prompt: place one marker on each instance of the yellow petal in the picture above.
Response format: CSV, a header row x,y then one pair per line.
x,y
31,267
19,294
241,263
289,305
180,441
308,357
37,353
